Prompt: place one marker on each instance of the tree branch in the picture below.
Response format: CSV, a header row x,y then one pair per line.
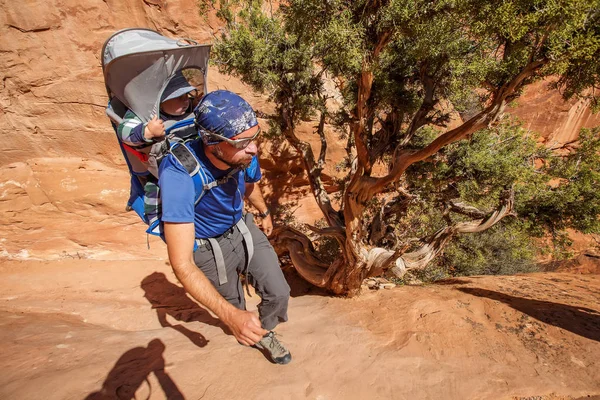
x,y
568,145
383,139
365,85
388,214
313,169
435,244
333,231
358,127
403,159
427,105
321,132
465,209
379,259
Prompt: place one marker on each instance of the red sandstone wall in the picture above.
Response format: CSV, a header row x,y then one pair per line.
x,y
544,111
52,96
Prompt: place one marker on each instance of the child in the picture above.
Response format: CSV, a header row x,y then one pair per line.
x,y
175,105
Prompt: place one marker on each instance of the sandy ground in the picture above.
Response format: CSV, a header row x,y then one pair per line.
x,y
112,329
88,311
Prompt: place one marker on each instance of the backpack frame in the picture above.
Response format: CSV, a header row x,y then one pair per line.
x,y
138,64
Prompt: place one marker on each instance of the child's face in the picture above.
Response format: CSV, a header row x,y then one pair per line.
x,y
176,106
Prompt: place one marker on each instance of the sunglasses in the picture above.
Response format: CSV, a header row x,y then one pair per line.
x,y
237,143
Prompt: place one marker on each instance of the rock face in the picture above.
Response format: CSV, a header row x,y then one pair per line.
x,y
53,97
69,208
544,111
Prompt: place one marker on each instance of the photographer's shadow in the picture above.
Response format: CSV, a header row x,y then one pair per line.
x,y
132,369
169,299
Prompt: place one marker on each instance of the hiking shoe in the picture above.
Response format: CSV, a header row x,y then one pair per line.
x,y
273,348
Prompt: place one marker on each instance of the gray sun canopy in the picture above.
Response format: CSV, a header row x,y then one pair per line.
x,y
138,63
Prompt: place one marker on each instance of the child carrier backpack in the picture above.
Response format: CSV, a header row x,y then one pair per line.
x,y
138,64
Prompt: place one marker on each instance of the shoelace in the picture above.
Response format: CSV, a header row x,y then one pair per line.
x,y
275,343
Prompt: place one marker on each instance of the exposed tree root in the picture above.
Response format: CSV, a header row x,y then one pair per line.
x,y
303,255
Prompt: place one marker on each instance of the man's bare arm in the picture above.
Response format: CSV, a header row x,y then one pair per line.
x,y
180,244
255,197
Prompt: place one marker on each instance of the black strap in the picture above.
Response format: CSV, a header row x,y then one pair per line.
x,y
185,158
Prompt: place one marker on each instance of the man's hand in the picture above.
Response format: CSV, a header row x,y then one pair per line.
x,y
245,326
254,194
154,129
267,225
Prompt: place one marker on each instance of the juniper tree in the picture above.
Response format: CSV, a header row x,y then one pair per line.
x,y
401,69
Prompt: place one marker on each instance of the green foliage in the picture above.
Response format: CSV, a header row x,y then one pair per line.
x,y
572,198
271,60
454,45
559,194
503,249
478,170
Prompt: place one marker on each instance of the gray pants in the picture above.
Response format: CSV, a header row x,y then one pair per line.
x,y
264,274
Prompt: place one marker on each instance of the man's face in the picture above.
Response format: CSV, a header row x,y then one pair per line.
x,y
236,157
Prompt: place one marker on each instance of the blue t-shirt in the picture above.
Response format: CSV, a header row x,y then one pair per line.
x,y
219,209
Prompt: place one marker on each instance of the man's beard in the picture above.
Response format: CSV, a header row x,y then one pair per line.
x,y
219,156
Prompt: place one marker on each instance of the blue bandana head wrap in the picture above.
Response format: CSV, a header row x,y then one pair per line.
x,y
224,113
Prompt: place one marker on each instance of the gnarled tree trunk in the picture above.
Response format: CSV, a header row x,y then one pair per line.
x,y
357,261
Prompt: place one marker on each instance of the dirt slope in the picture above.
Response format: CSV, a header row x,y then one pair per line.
x,y
74,328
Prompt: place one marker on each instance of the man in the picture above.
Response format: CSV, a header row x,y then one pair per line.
x,y
226,246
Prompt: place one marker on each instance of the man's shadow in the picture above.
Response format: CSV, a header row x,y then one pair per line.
x,y
132,369
579,320
169,299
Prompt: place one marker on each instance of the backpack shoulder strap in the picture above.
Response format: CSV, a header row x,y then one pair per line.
x,y
188,160
185,157
202,181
